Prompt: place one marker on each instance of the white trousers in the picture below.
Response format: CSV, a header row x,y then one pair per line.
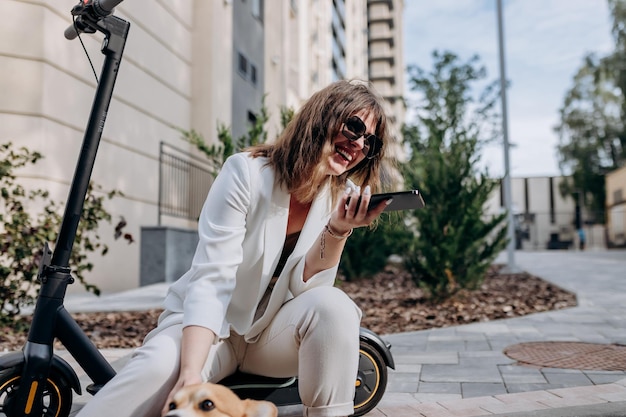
x,y
314,336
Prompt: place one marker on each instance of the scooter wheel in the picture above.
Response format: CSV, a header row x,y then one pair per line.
x,y
56,399
371,379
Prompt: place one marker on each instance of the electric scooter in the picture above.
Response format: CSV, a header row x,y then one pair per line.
x,y
37,382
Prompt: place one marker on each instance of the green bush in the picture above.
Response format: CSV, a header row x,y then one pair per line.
x,y
23,233
367,251
456,242
217,153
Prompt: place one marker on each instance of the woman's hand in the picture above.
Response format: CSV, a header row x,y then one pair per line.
x,y
325,253
352,212
183,381
194,350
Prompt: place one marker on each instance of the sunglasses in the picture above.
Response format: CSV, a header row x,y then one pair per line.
x,y
354,128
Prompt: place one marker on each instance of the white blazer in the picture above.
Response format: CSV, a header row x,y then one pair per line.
x,y
242,229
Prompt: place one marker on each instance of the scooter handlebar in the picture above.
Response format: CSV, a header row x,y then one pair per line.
x,y
70,33
105,7
98,10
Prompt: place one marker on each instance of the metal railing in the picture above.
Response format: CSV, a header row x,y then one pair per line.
x,y
184,182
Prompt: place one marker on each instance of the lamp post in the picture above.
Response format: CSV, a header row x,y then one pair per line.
x,y
506,183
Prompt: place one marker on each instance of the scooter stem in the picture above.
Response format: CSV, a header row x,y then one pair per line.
x,y
55,274
116,31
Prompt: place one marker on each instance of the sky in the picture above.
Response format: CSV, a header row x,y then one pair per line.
x,y
545,42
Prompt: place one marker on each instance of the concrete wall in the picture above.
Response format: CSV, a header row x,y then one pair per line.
x,y
166,253
616,207
540,210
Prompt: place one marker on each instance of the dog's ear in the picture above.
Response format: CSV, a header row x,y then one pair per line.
x,y
260,409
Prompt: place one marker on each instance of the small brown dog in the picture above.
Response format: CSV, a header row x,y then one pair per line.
x,y
213,400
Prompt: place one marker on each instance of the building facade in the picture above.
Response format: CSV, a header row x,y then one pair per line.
x,y
616,208
187,65
545,219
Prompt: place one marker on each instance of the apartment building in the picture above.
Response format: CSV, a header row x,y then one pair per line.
x,y
187,65
309,44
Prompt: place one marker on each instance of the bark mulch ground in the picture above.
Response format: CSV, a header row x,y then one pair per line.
x,y
390,302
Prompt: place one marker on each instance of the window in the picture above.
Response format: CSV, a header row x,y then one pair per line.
x,y
245,68
251,118
253,74
243,65
552,209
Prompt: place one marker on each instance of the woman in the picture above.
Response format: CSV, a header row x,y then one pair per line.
x,y
259,295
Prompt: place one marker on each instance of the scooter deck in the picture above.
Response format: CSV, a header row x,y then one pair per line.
x,y
280,391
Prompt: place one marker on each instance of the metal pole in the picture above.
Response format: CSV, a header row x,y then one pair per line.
x,y
506,183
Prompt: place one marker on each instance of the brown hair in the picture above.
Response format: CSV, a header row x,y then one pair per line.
x,y
298,156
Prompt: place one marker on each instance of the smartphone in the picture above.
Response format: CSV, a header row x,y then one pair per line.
x,y
401,200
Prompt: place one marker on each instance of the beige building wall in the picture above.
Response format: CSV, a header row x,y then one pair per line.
x,y
616,207
319,13
286,59
48,87
212,65
356,40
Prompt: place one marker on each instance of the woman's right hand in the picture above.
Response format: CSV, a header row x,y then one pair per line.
x,y
183,381
194,350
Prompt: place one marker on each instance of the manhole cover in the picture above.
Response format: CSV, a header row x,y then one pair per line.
x,y
570,355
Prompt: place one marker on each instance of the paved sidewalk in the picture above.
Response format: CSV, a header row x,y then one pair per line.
x,y
461,371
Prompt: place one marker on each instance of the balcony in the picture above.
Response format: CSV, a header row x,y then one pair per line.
x,y
380,33
390,60
388,3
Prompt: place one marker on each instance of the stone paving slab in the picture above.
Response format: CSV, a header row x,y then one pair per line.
x,y
599,318
610,397
613,409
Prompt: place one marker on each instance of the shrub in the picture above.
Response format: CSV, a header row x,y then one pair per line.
x,y
367,251
23,233
456,242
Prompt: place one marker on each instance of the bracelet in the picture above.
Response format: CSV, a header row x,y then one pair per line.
x,y
329,230
335,234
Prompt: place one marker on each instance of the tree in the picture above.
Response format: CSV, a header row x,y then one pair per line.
x,y
589,134
615,62
592,135
456,242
